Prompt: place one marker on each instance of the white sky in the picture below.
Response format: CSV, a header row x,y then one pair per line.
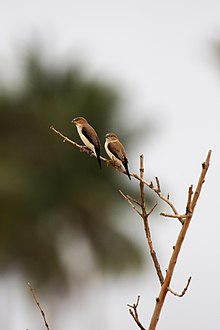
x,y
159,53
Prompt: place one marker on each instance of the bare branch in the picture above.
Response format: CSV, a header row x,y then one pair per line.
x,y
167,200
82,148
151,210
181,217
178,245
188,205
158,192
134,200
133,310
39,306
129,201
185,220
178,216
184,290
143,205
158,184
88,151
146,226
205,167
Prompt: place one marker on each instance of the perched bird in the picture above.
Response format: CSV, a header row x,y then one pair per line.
x,y
116,151
88,136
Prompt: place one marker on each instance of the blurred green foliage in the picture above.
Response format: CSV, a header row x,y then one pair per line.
x,y
51,195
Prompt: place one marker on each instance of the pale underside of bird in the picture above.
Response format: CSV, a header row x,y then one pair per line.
x,y
88,136
116,151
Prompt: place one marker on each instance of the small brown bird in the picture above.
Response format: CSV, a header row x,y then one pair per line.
x,y
88,136
116,151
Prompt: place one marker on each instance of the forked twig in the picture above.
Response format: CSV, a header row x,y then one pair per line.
x,y
39,306
184,290
127,198
133,200
133,310
145,217
152,209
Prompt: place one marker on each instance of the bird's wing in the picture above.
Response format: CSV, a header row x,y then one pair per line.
x,y
117,150
91,135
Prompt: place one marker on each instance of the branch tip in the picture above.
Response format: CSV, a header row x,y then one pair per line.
x,y
158,184
39,306
183,291
134,313
152,209
142,166
129,200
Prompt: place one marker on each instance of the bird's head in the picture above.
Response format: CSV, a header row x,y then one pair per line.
x,y
111,137
79,121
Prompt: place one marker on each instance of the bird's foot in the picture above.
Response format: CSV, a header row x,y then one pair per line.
x,y
115,164
85,148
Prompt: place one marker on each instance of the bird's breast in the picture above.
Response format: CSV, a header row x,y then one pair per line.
x,y
85,140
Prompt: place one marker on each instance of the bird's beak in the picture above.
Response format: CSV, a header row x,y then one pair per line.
x,y
73,121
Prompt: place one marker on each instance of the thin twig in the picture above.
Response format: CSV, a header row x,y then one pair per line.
x,y
143,204
160,195
133,200
152,209
133,310
39,306
184,290
129,201
158,184
65,138
145,216
189,200
178,216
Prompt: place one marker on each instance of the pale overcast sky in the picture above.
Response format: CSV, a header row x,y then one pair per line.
x,y
160,53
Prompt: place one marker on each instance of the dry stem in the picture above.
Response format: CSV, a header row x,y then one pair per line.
x,y
39,306
145,216
173,260
183,291
133,310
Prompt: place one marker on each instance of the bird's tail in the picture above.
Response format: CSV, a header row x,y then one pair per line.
x,y
126,169
97,151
